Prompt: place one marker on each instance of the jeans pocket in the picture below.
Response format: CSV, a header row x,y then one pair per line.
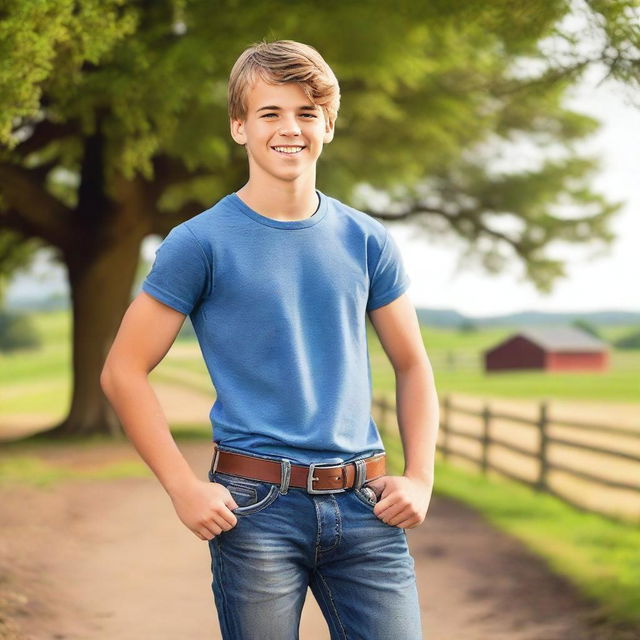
x,y
251,496
370,502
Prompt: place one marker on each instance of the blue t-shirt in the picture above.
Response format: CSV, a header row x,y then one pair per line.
x,y
279,310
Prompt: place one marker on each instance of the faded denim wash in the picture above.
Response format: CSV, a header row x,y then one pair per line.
x,y
358,567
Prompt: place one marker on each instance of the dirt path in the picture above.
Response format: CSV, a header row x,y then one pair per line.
x,y
109,560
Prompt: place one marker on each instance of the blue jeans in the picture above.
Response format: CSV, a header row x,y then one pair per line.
x,y
358,567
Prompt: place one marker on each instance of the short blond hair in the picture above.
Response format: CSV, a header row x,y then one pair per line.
x,y
281,62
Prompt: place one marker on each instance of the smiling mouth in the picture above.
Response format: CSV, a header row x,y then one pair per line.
x,y
288,151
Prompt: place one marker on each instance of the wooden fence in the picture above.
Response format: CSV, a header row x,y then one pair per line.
x,y
489,442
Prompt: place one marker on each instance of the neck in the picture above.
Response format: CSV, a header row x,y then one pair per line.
x,y
287,202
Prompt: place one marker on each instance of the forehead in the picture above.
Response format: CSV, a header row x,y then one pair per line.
x,y
286,96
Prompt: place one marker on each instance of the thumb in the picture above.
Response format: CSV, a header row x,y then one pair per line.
x,y
378,485
229,500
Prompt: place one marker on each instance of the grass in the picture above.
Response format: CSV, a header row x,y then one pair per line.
x,y
33,471
41,379
21,464
456,358
599,556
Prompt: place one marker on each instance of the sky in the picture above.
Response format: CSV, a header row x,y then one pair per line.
x,y
602,282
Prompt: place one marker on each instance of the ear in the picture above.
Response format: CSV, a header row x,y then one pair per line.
x,y
237,131
329,131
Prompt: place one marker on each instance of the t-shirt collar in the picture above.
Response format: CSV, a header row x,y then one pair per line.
x,y
282,224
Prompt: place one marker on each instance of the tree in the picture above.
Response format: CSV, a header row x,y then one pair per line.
x,y
113,121
587,327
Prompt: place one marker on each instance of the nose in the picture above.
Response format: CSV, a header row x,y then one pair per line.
x,y
290,128
293,131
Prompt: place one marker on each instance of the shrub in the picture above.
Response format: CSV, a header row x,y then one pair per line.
x,y
17,332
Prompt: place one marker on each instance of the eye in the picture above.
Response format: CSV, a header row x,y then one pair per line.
x,y
309,115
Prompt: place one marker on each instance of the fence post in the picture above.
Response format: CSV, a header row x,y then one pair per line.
x,y
486,439
444,425
543,421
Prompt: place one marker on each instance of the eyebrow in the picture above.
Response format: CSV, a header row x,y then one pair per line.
x,y
304,107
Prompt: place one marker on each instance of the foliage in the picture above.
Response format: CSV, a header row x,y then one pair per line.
x,y
15,254
17,332
630,341
114,126
138,90
586,326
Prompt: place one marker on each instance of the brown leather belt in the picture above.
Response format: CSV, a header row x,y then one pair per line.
x,y
315,478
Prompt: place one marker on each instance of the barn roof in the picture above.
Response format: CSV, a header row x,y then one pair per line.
x,y
562,338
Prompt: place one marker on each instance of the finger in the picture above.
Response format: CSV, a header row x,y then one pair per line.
x,y
387,501
212,528
391,517
227,520
406,524
223,520
385,509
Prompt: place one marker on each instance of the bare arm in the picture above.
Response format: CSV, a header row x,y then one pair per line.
x,y
147,331
416,398
397,326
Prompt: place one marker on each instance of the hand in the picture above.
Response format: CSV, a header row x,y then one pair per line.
x,y
402,501
205,508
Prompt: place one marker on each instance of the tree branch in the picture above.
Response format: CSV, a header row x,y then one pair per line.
x,y
45,132
472,215
32,209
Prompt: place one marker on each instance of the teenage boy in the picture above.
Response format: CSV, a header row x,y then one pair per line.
x,y
278,279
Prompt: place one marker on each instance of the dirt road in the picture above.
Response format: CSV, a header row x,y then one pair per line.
x,y
109,560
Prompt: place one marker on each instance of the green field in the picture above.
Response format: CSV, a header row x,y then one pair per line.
x,y
456,358
40,381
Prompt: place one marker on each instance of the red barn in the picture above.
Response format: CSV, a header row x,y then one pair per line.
x,y
549,349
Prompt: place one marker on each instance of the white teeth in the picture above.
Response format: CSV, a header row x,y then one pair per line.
x,y
288,149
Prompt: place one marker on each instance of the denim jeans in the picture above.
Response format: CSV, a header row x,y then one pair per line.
x,y
358,567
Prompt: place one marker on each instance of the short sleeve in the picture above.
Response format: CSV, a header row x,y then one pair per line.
x,y
389,279
180,275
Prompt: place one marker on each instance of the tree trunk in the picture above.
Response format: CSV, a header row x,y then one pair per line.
x,y
101,276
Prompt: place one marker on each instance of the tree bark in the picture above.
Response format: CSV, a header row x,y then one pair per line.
x,y
100,276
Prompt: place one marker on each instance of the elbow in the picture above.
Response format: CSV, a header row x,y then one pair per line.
x,y
105,379
109,374
118,374
415,362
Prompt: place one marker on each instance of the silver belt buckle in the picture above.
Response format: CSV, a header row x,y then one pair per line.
x,y
311,478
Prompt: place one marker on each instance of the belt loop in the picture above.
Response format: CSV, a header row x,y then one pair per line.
x,y
361,473
285,475
214,464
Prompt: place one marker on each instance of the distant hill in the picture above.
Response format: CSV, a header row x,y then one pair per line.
x,y
453,318
427,317
53,302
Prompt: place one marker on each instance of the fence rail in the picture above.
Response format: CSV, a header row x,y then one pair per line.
x,y
490,442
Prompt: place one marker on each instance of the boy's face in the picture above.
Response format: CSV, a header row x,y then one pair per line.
x,y
291,121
